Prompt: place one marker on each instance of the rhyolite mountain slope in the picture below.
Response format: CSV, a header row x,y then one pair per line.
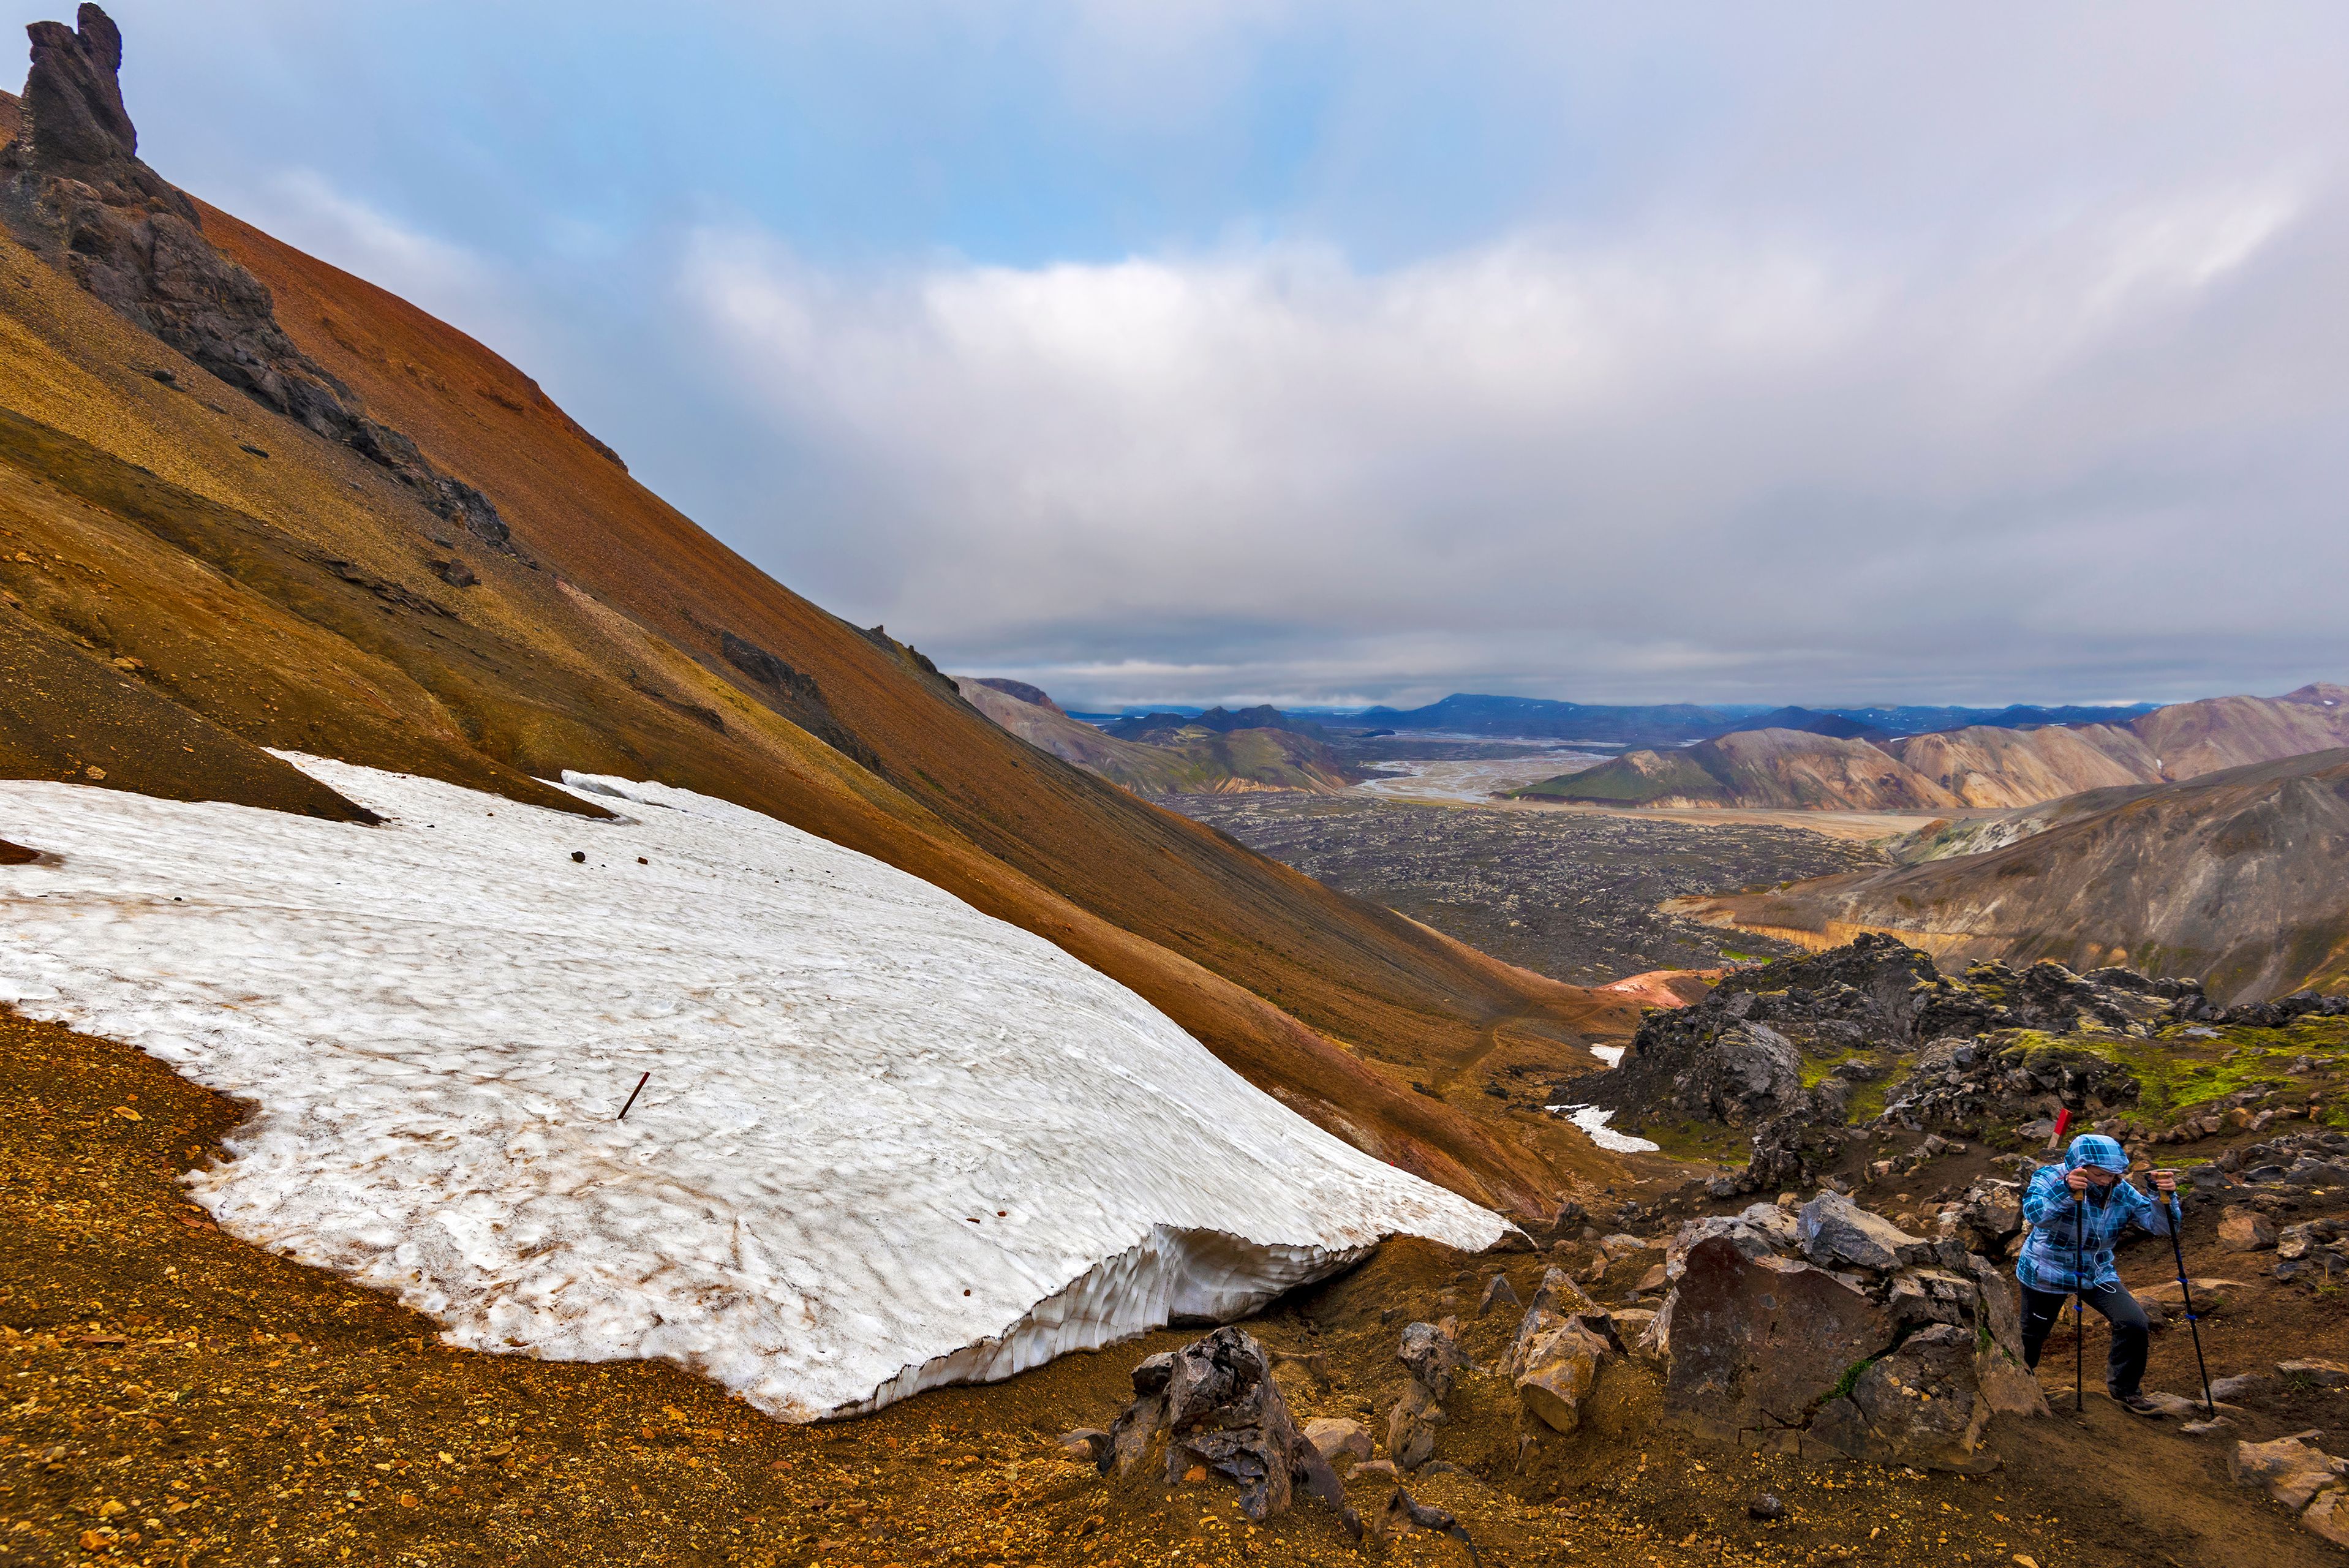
x,y
1786,770
2239,878
1983,766
250,501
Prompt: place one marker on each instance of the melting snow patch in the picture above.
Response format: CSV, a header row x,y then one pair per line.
x,y
1593,1120
889,1141
1611,1054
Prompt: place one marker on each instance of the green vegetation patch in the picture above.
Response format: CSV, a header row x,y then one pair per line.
x,y
1704,1140
2188,1066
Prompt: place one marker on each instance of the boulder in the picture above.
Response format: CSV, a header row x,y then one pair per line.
x,y
1557,1301
1222,1412
2248,1386
2307,1173
1835,1232
2291,1470
1405,1514
1497,1291
1757,1342
1432,1358
1089,1444
1431,1353
2330,1374
1560,1368
1917,1406
1631,1326
1338,1440
1990,1212
2327,1515
1760,1229
2244,1230
2212,1297
1928,1295
1411,1427
2006,1384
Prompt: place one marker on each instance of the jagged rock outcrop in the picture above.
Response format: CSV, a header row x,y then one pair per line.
x,y
1554,1359
1431,1353
1784,1051
1218,1412
73,187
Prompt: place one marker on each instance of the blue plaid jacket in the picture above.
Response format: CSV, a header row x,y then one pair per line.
x,y
2057,1224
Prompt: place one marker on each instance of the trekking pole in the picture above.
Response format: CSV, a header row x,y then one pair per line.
x,y
2186,1296
2079,1301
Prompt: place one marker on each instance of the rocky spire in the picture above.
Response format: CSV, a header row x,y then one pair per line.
x,y
73,100
76,127
81,197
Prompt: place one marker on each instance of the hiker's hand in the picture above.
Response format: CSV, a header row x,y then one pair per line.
x,y
2165,1182
2078,1182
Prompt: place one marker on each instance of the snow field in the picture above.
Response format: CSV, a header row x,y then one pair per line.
x,y
888,1142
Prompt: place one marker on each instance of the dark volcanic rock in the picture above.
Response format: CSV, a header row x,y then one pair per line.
x,y
795,694
1835,1232
1918,1406
1217,1408
1963,1051
77,192
1760,1342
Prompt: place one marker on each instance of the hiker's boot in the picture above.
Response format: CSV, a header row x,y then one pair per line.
x,y
2138,1405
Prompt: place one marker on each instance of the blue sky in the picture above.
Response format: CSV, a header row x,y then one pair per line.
x,y
1327,352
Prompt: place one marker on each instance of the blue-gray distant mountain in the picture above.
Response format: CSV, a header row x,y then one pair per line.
x,y
1466,714
1809,721
1159,728
1669,724
1920,721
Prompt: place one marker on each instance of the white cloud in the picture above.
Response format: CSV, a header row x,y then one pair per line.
x,y
1654,458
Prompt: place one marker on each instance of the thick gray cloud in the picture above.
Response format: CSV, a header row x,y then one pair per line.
x,y
1318,352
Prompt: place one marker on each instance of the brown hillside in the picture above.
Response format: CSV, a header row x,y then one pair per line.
x,y
249,581
1204,763
1780,770
2241,877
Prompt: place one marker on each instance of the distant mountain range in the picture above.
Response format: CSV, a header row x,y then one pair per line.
x,y
1982,766
1672,723
1160,728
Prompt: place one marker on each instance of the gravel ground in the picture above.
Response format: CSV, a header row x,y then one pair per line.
x,y
1572,895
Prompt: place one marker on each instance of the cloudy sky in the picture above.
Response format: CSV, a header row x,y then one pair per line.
x,y
1204,350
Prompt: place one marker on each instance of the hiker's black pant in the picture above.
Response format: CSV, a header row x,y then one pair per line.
x,y
2125,1364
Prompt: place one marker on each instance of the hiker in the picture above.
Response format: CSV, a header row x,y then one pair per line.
x,y
2078,1209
